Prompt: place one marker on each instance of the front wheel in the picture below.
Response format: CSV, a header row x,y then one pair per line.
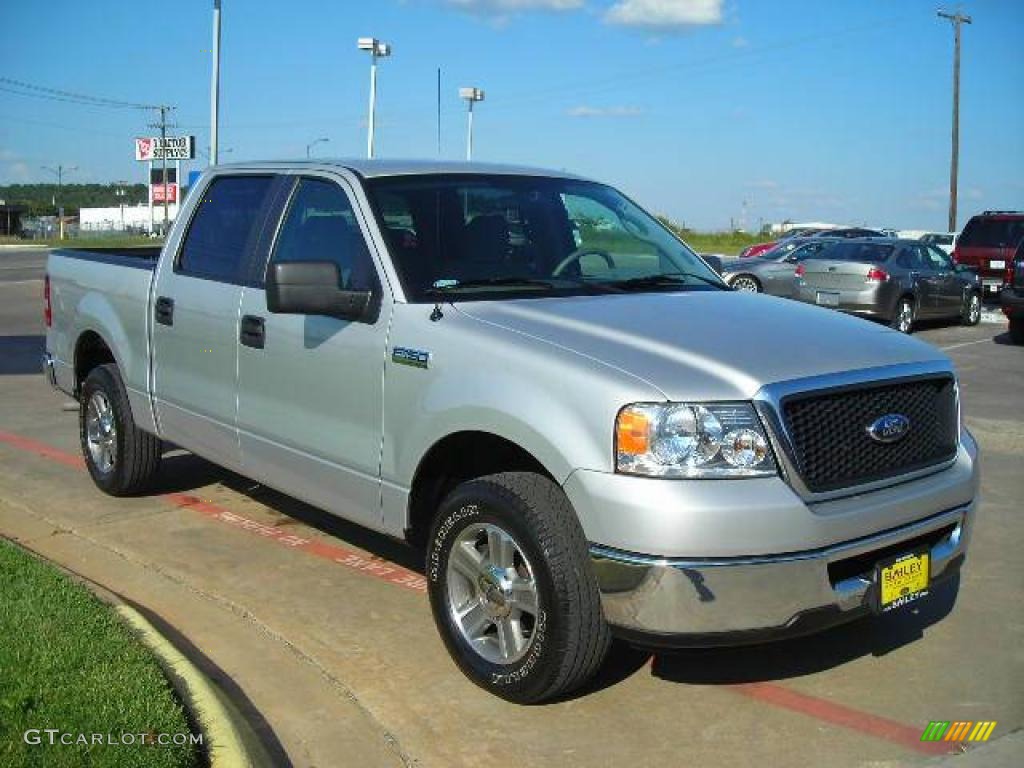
x,y
120,457
511,588
971,314
746,284
903,319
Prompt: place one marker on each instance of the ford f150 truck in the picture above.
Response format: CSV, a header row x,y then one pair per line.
x,y
527,374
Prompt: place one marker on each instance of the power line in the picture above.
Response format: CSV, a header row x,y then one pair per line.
x,y
56,94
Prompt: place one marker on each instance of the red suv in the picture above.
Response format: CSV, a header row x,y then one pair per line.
x,y
988,243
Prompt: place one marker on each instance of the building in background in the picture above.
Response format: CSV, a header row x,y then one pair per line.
x,y
124,218
10,219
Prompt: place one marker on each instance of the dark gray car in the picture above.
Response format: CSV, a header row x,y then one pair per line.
x,y
773,271
897,281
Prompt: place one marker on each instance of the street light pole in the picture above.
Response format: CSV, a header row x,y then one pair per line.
x,y
215,85
59,171
471,95
957,19
312,144
377,50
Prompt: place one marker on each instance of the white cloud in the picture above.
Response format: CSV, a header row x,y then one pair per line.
x,y
665,14
740,42
761,184
584,110
505,6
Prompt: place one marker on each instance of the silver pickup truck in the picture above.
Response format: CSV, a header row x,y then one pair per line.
x,y
527,375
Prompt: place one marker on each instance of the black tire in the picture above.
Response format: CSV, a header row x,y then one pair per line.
x,y
905,304
136,455
971,312
570,638
1017,330
753,285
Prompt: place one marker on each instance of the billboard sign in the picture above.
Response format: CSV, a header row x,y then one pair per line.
x,y
160,196
169,148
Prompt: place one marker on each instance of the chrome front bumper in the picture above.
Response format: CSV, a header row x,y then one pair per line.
x,y
705,601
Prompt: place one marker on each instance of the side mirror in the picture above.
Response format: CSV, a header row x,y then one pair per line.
x,y
790,258
715,262
311,288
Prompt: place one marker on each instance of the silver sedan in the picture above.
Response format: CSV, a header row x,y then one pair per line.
x,y
771,272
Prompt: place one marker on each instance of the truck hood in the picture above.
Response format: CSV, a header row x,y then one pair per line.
x,y
706,345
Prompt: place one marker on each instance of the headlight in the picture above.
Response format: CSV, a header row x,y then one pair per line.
x,y
692,440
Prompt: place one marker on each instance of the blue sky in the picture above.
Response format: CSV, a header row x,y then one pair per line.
x,y
805,109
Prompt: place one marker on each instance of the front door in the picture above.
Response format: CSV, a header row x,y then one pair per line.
x,y
949,288
195,318
310,387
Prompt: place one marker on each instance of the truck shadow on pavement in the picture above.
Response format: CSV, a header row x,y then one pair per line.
x,y
20,355
797,657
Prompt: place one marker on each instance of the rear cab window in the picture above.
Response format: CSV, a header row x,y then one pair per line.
x,y
991,232
224,228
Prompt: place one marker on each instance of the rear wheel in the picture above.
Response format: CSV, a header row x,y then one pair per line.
x,y
903,318
971,314
511,588
120,457
746,283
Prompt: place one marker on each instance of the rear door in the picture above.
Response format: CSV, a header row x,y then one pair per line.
x,y
310,387
949,288
195,324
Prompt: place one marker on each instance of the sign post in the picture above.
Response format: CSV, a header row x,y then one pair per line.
x,y
164,148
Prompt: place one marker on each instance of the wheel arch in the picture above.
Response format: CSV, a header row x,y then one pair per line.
x,y
456,458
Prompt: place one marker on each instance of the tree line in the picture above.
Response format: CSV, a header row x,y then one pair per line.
x,y
42,199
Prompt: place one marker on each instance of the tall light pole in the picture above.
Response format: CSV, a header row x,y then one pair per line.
x,y
59,172
215,85
471,95
312,144
958,19
378,50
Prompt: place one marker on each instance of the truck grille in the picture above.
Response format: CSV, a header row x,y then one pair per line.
x,y
829,431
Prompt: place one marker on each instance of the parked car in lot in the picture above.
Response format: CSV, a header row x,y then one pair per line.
x,y
792,234
1012,296
897,281
944,241
837,232
988,243
772,272
586,430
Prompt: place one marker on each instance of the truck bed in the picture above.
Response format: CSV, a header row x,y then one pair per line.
x,y
141,257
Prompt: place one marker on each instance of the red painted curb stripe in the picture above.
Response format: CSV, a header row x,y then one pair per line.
x,y
843,716
768,693
29,445
369,564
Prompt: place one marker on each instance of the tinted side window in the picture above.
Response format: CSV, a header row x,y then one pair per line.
x,y
938,260
320,225
224,228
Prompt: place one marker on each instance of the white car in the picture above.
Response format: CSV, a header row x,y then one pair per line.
x,y
943,240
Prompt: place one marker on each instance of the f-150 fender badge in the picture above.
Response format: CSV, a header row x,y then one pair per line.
x,y
417,358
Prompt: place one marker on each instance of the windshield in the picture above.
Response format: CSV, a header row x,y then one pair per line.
x,y
853,250
493,236
991,233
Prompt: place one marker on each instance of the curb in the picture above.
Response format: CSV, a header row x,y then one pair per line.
x,y
230,742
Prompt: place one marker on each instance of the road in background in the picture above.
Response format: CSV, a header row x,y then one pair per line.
x,y
321,634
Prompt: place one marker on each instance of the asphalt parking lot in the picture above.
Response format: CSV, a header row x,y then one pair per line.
x,y
321,634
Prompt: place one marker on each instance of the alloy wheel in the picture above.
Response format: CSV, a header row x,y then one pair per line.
x,y
745,284
101,432
492,594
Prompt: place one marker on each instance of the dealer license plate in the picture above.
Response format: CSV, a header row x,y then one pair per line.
x,y
997,264
903,580
827,299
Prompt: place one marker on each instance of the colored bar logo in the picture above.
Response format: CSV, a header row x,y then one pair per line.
x,y
944,730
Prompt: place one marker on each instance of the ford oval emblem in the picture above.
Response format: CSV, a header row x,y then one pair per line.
x,y
889,428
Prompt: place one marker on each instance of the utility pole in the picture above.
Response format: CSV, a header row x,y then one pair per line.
x,y
58,203
957,19
162,125
215,86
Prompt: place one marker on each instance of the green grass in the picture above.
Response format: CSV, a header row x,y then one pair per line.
x,y
68,662
729,243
